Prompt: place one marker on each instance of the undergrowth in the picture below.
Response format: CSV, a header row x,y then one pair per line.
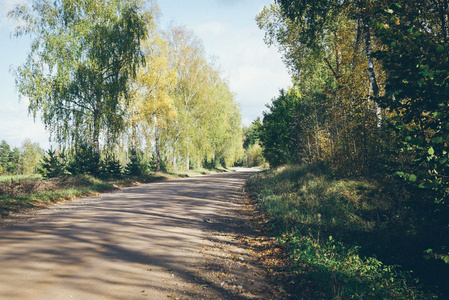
x,y
340,234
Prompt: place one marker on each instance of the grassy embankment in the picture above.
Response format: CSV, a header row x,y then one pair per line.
x,y
350,239
28,192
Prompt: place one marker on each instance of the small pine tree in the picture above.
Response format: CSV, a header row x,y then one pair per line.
x,y
84,161
152,164
135,166
110,166
52,165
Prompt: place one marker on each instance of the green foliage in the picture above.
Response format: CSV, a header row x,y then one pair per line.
x,y
81,58
312,18
416,59
276,133
5,149
335,118
78,74
346,272
31,154
334,231
23,160
53,164
341,88
251,133
207,122
135,166
110,166
14,158
84,160
254,156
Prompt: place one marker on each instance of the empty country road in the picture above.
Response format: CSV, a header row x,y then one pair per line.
x,y
142,242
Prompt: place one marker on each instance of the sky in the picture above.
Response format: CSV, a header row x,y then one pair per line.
x,y
230,35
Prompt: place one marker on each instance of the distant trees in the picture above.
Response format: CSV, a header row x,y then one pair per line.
x,y
30,156
251,143
207,125
20,161
151,106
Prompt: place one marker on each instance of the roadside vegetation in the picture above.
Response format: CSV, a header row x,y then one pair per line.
x,y
125,87
21,193
358,148
350,238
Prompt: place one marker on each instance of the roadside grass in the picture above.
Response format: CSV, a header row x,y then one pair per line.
x,y
18,177
18,195
337,234
21,193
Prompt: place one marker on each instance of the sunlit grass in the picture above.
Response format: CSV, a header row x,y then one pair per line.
x,y
321,221
34,192
17,177
25,192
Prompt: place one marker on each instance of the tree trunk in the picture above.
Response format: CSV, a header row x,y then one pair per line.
x,y
133,140
188,161
158,152
96,132
371,73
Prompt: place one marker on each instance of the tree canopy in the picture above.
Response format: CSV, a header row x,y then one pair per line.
x,y
82,56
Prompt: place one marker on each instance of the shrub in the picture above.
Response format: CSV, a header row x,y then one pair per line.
x,y
53,164
84,161
110,166
135,166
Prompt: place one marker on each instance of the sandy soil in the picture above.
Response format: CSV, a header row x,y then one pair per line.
x,y
179,239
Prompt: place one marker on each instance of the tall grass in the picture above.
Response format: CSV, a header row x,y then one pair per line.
x,y
323,221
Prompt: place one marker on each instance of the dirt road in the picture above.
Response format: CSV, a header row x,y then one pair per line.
x,y
153,241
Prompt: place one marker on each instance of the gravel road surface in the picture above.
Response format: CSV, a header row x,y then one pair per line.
x,y
164,240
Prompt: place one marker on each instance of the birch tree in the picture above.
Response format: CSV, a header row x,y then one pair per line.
x,y
83,53
187,59
151,105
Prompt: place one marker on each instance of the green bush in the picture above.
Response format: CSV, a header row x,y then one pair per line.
x,y
135,166
110,166
53,164
84,161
